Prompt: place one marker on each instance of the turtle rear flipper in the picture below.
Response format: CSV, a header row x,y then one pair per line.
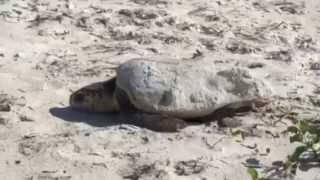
x,y
231,109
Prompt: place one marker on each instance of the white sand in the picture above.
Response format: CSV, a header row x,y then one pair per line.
x,y
78,42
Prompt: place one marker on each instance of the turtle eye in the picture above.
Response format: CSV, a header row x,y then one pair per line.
x,y
79,98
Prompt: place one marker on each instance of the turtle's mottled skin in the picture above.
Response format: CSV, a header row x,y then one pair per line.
x,y
97,97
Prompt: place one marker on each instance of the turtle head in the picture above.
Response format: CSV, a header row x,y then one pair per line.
x,y
97,97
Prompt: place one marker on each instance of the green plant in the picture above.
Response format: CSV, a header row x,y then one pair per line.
x,y
307,134
255,175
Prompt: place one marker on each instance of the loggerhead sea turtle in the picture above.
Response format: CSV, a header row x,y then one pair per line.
x,y
112,96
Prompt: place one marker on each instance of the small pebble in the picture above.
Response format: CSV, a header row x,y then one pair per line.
x,y
252,162
17,162
25,119
3,121
256,65
268,150
315,66
5,107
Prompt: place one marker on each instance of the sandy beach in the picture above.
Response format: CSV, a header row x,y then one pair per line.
x,y
49,49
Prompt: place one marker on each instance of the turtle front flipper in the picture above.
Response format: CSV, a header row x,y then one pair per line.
x,y
97,97
154,122
124,102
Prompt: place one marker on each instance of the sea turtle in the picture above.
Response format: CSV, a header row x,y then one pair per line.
x,y
142,87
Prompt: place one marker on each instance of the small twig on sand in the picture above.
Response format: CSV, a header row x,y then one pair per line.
x,y
211,146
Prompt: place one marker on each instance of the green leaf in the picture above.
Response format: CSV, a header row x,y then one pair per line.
x,y
253,173
304,126
290,166
239,132
316,147
287,164
293,168
295,156
296,138
293,129
314,129
308,126
309,138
